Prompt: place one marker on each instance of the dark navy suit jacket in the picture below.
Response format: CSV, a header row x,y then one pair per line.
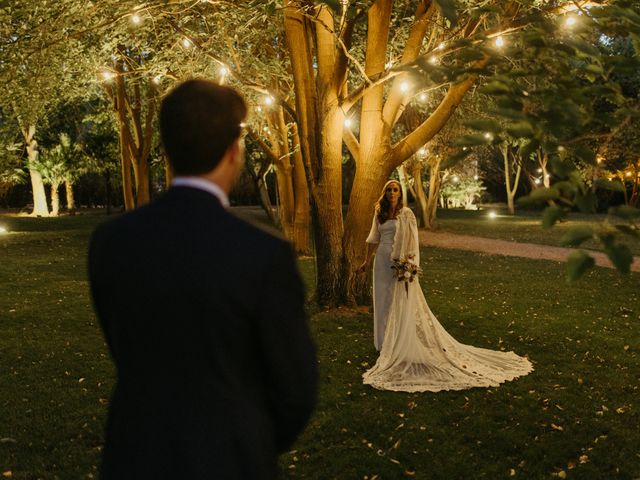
x,y
204,317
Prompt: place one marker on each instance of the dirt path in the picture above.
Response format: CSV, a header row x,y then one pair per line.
x,y
510,249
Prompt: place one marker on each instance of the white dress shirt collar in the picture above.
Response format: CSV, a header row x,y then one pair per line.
x,y
202,184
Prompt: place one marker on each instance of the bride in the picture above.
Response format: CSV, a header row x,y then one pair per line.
x,y
416,352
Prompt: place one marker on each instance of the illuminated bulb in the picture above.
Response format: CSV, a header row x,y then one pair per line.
x,y
476,177
3,231
441,46
492,215
388,65
433,60
628,174
422,152
107,76
186,43
266,129
348,122
571,21
223,71
258,109
404,87
455,179
561,148
537,181
464,148
157,79
539,170
268,100
136,19
499,42
422,97
488,136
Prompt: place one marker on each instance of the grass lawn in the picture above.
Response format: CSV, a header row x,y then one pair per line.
x,y
522,227
577,413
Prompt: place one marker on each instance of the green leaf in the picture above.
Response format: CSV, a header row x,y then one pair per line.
x,y
509,113
577,264
551,215
452,160
576,235
496,88
539,195
615,185
471,140
448,10
587,202
483,125
625,211
628,230
620,256
521,129
582,46
585,154
529,149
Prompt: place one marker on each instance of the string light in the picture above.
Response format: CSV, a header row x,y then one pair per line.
x,y
404,86
157,79
3,231
539,170
223,71
258,109
186,43
476,177
441,46
422,152
422,97
348,122
107,76
537,181
488,136
570,21
433,60
499,42
455,179
269,100
388,65
135,18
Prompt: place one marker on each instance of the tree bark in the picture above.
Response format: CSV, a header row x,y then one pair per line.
x,y
71,199
511,189
55,199
420,196
434,192
40,207
302,223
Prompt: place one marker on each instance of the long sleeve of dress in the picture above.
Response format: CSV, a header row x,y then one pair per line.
x,y
374,234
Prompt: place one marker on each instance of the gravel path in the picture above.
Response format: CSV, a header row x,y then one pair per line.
x,y
510,249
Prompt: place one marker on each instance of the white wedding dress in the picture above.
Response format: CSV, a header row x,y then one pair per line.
x,y
416,352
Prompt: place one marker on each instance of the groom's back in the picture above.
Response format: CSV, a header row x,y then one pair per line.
x,y
179,302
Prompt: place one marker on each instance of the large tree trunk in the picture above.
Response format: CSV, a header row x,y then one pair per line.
x,y
55,199
71,199
434,192
420,196
302,223
40,207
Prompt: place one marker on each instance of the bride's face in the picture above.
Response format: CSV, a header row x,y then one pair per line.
x,y
392,193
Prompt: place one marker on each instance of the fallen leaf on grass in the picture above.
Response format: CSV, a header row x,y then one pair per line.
x,y
557,427
512,472
7,474
584,458
622,409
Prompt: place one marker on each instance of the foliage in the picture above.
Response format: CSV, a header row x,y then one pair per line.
x,y
461,191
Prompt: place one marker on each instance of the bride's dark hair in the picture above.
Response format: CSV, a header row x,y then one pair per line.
x,y
383,206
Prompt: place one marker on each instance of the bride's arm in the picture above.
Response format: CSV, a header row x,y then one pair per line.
x,y
368,258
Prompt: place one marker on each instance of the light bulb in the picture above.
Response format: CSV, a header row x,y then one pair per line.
x,y
268,100
433,60
223,71
404,86
136,19
107,75
570,21
348,122
422,97
186,43
157,79
499,42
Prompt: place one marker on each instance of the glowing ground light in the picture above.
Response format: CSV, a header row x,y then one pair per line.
x,y
3,231
492,215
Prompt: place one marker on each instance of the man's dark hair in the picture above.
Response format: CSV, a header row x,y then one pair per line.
x,y
199,120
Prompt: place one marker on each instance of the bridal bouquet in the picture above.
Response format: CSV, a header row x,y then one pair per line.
x,y
405,270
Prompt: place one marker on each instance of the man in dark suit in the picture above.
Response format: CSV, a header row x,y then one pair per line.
x,y
203,315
